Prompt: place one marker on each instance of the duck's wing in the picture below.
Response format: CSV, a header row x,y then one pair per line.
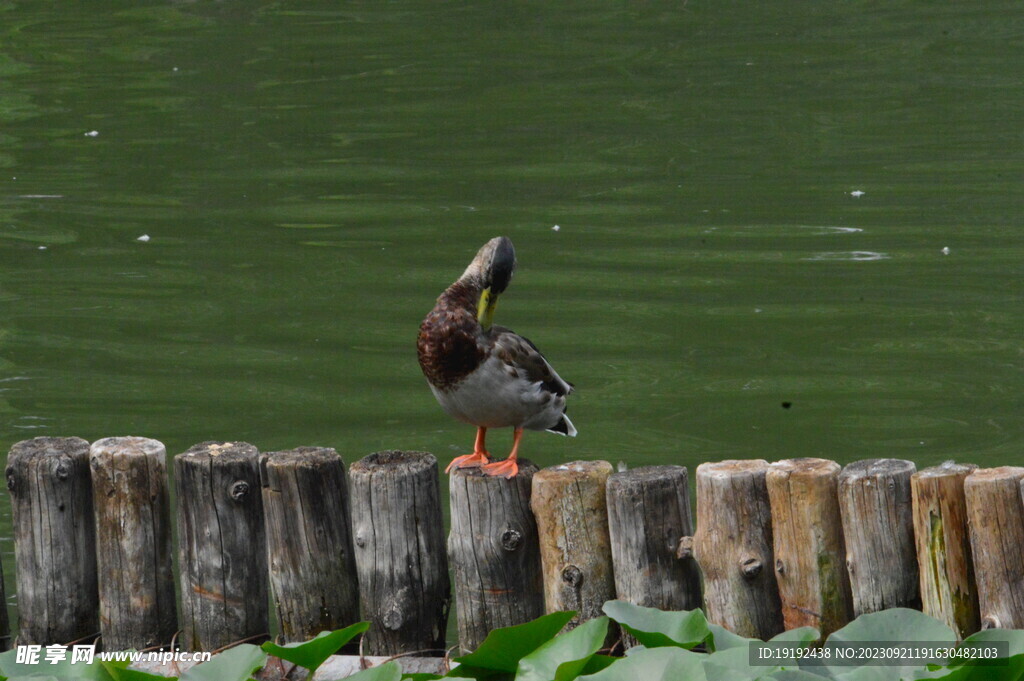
x,y
543,388
519,354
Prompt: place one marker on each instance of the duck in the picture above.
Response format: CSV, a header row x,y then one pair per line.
x,y
487,375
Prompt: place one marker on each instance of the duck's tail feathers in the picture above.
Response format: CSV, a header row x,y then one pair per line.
x,y
563,427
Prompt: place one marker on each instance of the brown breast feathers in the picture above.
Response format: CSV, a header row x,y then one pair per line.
x,y
447,345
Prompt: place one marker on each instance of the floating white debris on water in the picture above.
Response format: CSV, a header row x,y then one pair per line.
x,y
42,248
93,133
945,250
856,193
555,228
144,238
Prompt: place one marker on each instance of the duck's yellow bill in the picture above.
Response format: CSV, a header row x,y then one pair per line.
x,y
485,308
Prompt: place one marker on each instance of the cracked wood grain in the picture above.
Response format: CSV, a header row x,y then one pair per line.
x,y
400,552
733,546
309,541
133,542
494,552
221,545
54,540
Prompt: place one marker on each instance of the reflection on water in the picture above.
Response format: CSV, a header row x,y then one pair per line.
x,y
809,205
850,256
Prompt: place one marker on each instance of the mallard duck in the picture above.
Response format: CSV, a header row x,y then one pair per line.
x,y
487,375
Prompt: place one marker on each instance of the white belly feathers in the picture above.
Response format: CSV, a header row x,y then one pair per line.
x,y
490,398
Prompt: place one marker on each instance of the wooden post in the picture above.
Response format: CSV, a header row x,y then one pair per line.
x,y
222,545
309,541
733,545
944,546
494,552
648,515
995,516
54,540
571,508
400,552
810,556
133,542
878,524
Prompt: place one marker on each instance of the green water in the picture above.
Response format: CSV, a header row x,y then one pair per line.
x,y
312,175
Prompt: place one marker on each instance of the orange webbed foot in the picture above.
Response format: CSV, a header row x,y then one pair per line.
x,y
474,460
507,469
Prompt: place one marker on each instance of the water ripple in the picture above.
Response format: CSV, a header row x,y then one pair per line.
x,y
849,256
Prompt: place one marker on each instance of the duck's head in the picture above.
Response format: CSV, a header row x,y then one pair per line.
x,y
492,268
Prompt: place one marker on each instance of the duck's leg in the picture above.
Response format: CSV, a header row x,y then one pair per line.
x,y
509,467
478,458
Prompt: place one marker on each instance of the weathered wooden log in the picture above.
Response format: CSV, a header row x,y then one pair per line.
x,y
878,525
733,546
995,518
309,541
494,552
571,508
944,546
807,533
222,545
400,552
54,540
133,542
648,515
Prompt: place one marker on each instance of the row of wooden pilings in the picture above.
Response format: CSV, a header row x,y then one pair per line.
x,y
797,542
